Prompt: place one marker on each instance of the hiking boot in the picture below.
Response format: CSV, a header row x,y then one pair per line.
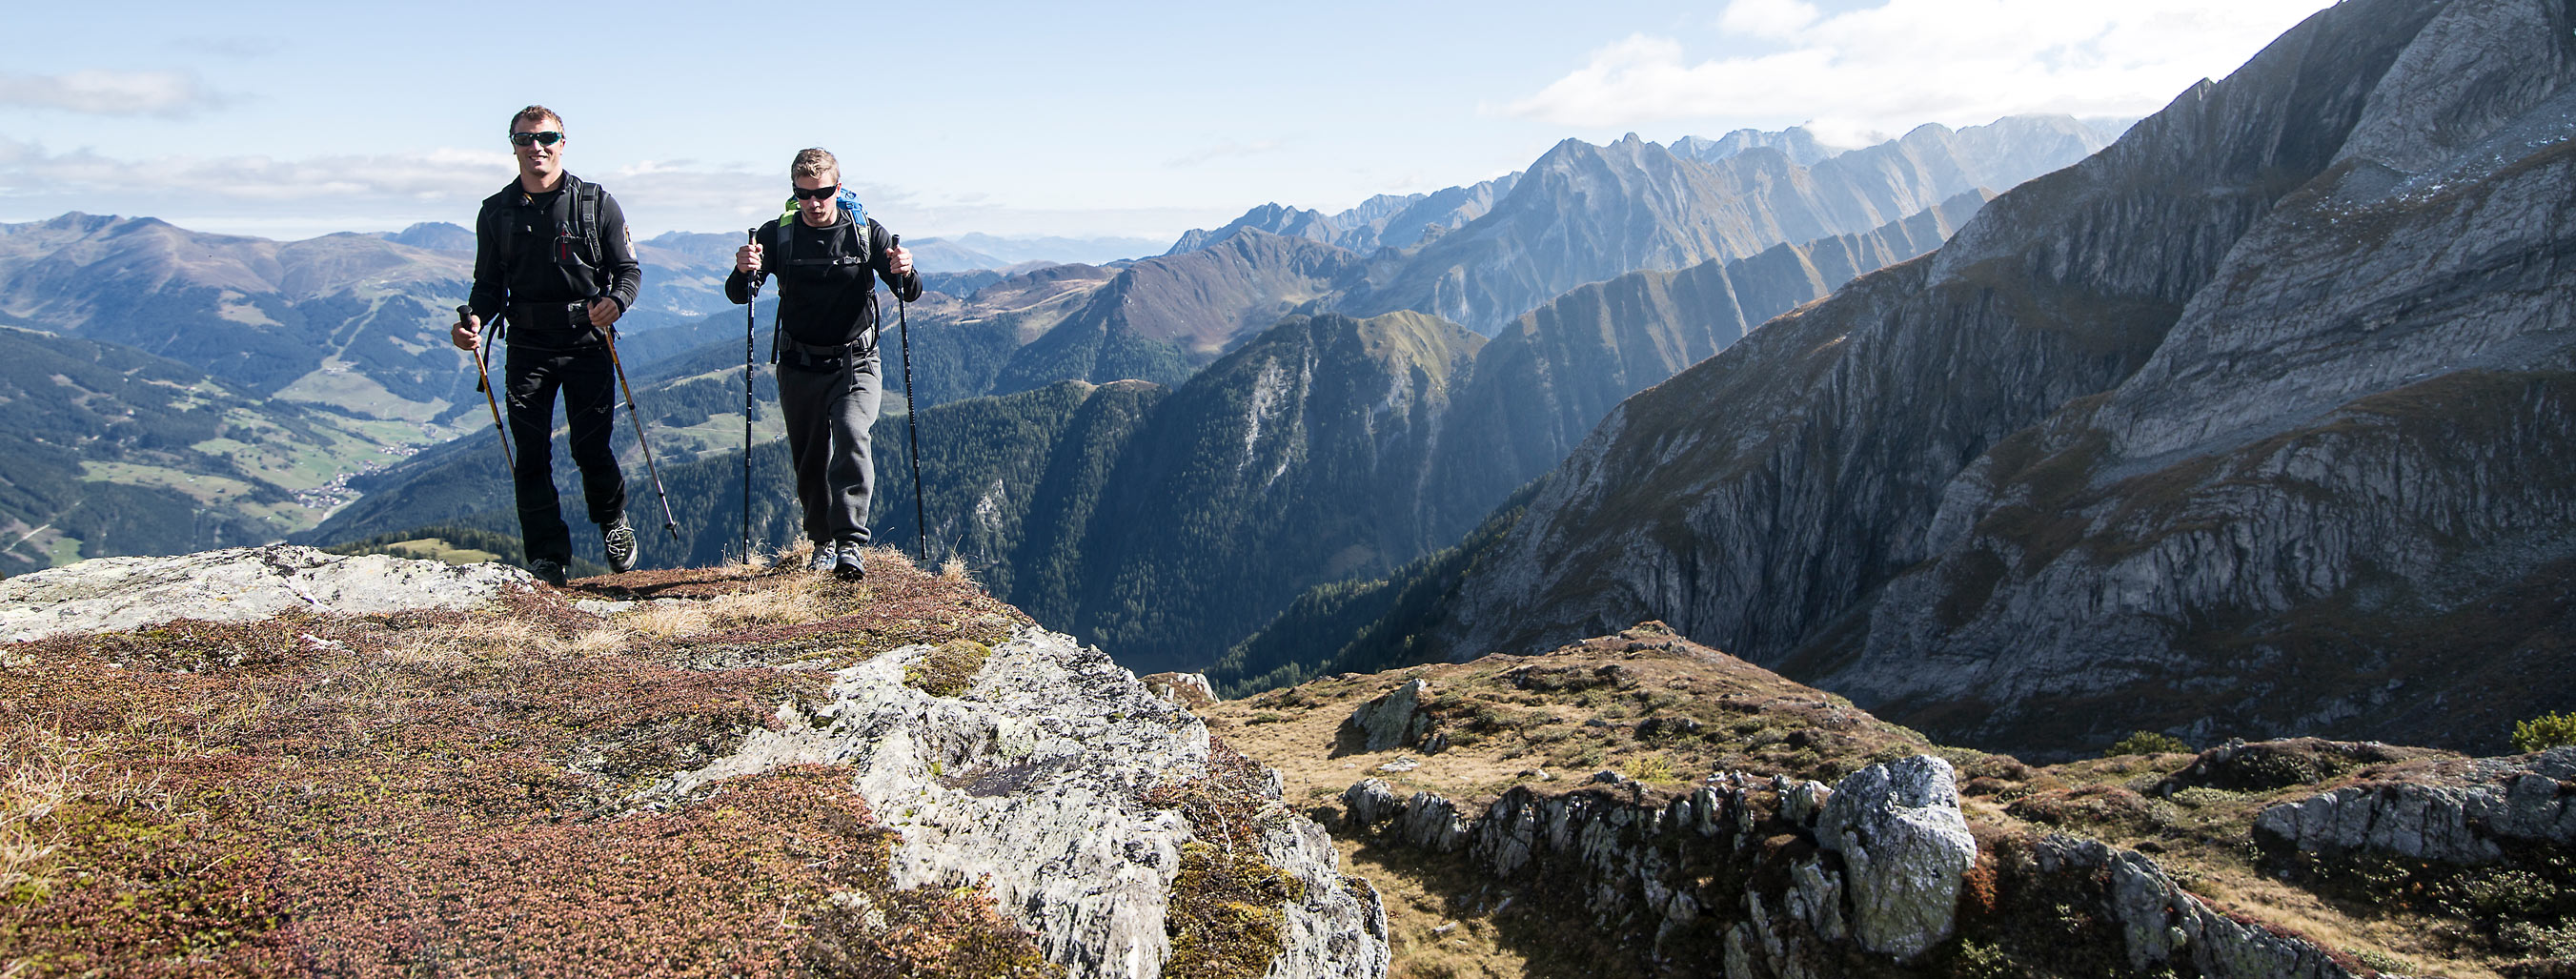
x,y
848,568
619,537
550,572
825,555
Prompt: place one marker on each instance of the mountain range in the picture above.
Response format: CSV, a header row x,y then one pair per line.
x,y
2250,424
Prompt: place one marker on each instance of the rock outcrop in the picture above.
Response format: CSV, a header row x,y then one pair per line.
x,y
1889,850
1755,878
2163,926
1034,780
2462,816
241,584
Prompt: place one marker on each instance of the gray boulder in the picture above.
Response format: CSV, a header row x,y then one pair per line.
x,y
1392,721
238,584
1905,849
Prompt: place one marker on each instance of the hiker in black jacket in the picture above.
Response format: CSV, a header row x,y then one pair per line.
x,y
552,258
828,255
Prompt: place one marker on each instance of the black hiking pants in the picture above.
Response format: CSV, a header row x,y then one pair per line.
x,y
828,413
589,384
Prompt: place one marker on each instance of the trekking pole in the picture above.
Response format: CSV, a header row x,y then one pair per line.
x,y
483,384
911,422
668,524
750,321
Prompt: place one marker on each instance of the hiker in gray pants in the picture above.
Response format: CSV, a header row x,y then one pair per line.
x,y
828,255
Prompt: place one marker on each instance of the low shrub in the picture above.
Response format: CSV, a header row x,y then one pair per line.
x,y
2542,733
2147,743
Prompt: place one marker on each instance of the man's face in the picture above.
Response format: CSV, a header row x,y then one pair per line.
x,y
538,158
817,210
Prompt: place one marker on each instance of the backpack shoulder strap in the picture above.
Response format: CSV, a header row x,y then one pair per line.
x,y
585,217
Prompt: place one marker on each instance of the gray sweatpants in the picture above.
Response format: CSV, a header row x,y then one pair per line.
x,y
828,414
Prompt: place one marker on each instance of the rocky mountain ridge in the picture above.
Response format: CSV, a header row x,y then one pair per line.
x,y
1585,213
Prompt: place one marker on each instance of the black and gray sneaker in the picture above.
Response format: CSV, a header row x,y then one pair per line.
x,y
550,572
619,537
848,568
825,555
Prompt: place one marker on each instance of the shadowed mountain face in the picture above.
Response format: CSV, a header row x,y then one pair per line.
x,y
2253,423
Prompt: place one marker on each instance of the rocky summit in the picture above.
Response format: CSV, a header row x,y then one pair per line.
x,y
284,762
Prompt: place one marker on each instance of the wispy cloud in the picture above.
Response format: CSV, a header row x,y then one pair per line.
x,y
112,93
1225,150
1904,62
374,191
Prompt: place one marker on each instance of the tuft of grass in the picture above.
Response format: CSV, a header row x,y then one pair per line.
x,y
949,668
1650,769
2547,731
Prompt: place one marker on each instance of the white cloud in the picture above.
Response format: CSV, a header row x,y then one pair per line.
x,y
111,93
1769,19
1905,62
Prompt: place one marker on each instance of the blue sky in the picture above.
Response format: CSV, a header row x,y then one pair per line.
x,y
1143,119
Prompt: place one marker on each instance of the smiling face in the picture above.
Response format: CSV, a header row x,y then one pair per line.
x,y
540,162
817,211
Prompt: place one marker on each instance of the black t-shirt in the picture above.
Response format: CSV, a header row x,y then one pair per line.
x,y
826,279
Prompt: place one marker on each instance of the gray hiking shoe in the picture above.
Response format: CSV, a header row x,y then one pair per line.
x,y
619,537
825,555
848,567
550,572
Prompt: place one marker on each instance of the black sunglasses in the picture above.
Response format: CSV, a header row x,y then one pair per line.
x,y
817,193
546,138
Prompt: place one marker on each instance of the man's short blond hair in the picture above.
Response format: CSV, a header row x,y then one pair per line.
x,y
535,113
814,162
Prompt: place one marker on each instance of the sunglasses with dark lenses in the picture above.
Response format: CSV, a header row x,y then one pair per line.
x,y
817,193
546,138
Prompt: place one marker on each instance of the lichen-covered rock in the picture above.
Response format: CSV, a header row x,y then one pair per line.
x,y
1905,849
2520,799
240,584
1392,721
1033,780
